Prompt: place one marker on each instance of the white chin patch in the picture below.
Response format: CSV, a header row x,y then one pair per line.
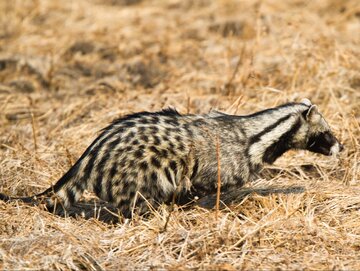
x,y
335,149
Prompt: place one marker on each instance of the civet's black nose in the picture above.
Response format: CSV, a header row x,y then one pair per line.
x,y
341,147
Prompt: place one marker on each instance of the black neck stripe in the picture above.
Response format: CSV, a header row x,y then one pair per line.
x,y
268,129
282,145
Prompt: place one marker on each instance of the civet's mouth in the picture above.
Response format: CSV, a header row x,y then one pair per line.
x,y
336,149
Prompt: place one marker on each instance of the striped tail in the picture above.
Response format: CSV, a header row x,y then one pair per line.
x,y
67,189
35,200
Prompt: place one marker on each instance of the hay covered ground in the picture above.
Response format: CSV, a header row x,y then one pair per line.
x,y
67,68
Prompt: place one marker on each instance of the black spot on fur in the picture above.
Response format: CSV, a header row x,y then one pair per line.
x,y
165,138
119,130
175,130
97,186
171,148
144,121
117,182
113,170
189,133
153,177
154,129
146,181
129,186
173,166
70,195
144,138
109,192
131,163
114,143
141,129
141,147
156,140
168,175
128,124
135,142
122,163
139,153
172,121
164,153
154,150
100,173
239,181
172,152
124,202
132,194
80,186
154,120
129,137
155,162
143,165
125,210
167,132
90,164
181,146
183,163
123,176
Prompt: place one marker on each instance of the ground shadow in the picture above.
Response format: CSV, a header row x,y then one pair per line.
x,y
96,209
105,212
235,196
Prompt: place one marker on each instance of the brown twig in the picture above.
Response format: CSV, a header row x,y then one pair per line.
x,y
33,130
171,209
188,104
33,127
233,75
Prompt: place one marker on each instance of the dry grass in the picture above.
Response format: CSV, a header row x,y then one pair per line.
x,y
67,68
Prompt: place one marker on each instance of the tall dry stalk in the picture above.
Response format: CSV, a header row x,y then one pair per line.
x,y
218,177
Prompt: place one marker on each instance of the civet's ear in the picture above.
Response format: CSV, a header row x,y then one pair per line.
x,y
306,102
312,114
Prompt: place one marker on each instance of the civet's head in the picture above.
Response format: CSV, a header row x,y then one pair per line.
x,y
318,136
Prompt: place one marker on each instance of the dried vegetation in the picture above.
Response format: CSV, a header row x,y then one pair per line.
x,y
67,68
